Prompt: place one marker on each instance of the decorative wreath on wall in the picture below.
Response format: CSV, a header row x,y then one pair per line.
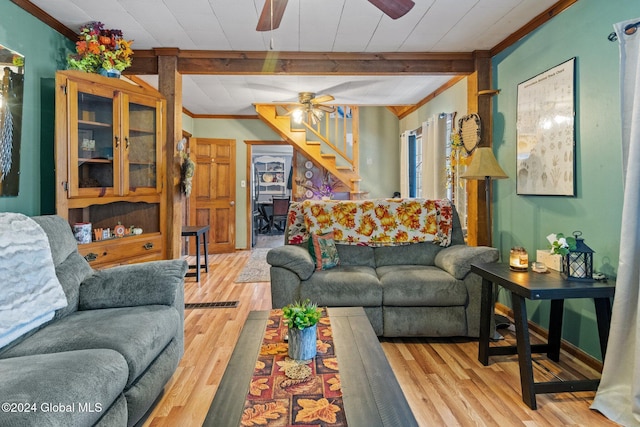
x,y
469,129
187,170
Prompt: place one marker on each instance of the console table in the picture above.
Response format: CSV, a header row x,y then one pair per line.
x,y
537,286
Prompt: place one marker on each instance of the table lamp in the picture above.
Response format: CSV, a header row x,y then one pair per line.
x,y
485,166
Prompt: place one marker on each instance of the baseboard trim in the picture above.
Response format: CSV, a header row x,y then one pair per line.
x,y
571,349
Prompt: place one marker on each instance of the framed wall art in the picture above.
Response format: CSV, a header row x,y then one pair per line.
x,y
545,133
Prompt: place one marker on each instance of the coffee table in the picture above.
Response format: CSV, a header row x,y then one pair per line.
x,y
370,391
536,286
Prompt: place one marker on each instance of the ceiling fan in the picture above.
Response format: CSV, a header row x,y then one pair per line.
x,y
273,10
311,105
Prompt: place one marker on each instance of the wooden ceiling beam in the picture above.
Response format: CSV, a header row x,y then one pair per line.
x,y
307,63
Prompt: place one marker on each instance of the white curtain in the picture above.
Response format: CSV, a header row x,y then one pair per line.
x,y
404,164
434,184
618,396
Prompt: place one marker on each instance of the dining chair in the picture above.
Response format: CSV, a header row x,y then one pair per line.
x,y
278,217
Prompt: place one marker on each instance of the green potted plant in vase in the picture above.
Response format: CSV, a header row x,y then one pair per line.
x,y
302,320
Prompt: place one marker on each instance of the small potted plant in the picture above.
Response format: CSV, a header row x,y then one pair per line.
x,y
561,245
302,320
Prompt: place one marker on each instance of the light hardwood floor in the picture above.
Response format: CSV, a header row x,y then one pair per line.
x,y
442,379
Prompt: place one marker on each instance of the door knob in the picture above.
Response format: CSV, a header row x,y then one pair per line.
x,y
232,203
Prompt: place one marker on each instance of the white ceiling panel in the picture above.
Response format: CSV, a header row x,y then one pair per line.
x,y
307,26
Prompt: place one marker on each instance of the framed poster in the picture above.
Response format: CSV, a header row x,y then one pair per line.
x,y
545,133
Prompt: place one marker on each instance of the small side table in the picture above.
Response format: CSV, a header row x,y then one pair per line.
x,y
536,286
197,231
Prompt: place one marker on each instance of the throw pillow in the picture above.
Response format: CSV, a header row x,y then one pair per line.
x,y
323,251
30,292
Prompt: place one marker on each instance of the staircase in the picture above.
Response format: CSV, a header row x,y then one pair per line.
x,y
338,155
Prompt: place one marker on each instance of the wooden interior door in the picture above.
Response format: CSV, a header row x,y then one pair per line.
x,y
213,192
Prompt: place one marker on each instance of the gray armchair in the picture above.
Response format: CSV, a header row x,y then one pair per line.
x,y
111,350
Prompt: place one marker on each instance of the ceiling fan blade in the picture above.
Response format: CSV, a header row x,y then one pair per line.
x,y
264,22
394,9
322,98
287,102
327,108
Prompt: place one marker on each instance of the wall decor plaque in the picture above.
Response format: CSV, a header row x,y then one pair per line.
x,y
545,133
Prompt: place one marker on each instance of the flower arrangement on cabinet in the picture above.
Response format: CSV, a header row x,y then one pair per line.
x,y
99,48
561,245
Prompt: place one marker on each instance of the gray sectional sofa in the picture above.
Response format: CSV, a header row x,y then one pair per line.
x,y
418,289
105,358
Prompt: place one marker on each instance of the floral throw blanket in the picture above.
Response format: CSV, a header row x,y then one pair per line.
x,y
374,222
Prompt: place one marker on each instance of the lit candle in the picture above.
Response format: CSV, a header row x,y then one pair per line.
x,y
518,259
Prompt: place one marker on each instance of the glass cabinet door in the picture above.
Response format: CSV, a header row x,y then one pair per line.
x,y
141,143
92,156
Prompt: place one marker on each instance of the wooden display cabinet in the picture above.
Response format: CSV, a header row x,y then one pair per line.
x,y
110,166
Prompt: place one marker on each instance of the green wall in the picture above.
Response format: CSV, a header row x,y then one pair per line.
x,y
580,31
45,51
379,153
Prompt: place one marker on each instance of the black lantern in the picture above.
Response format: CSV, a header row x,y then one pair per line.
x,y
578,264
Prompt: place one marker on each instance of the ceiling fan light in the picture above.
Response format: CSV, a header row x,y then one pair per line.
x,y
297,115
317,114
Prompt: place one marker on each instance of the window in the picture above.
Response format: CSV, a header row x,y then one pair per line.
x,y
415,165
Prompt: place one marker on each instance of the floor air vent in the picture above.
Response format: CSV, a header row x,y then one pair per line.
x,y
219,304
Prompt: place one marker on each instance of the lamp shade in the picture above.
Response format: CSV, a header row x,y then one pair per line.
x,y
484,165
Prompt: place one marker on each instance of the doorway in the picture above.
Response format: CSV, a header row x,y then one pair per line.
x,y
269,164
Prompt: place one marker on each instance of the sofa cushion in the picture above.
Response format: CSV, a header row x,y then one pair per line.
x,y
71,267
293,257
424,321
419,285
343,286
137,333
83,384
71,273
356,255
457,259
142,394
61,238
423,253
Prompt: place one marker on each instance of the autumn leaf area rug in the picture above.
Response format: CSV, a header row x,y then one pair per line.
x,y
284,392
256,269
